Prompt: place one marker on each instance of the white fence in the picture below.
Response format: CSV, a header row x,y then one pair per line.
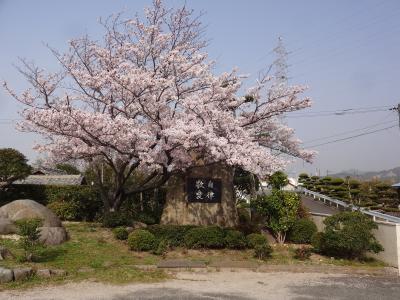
x,y
376,216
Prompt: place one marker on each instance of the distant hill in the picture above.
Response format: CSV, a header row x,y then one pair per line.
x,y
392,174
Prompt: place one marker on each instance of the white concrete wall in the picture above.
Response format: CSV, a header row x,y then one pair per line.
x,y
387,234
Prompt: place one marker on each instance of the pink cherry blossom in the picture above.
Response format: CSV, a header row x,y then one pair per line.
x,y
146,99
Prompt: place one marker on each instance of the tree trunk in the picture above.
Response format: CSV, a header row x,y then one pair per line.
x,y
281,237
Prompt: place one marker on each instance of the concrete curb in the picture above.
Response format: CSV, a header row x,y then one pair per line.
x,y
323,269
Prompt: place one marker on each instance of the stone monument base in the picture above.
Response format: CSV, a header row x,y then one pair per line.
x,y
178,210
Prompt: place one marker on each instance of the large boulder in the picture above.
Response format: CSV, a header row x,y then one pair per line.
x,y
29,209
51,233
179,209
7,226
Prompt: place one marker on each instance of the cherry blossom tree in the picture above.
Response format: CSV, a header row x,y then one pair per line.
x,y
145,100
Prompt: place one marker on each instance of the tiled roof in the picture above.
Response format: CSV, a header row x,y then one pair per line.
x,y
48,171
52,180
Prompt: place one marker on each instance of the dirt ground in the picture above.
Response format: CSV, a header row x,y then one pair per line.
x,y
236,285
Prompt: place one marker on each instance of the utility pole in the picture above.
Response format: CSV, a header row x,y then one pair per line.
x,y
280,63
398,111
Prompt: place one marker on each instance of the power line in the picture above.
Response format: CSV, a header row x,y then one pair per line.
x,y
350,131
341,112
352,137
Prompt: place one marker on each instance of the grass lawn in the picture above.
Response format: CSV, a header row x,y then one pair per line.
x,y
92,253
281,255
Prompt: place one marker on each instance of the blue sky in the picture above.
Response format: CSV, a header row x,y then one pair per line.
x,y
347,52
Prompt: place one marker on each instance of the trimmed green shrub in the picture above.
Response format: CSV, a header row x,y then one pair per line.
x,y
302,231
29,230
303,253
116,219
161,248
348,235
247,224
316,241
255,239
174,234
120,233
141,240
68,211
280,211
205,237
262,251
235,240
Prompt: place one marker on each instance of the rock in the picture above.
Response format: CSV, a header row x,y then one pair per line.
x,y
43,273
138,225
179,211
6,275
129,229
58,272
7,226
29,209
53,235
5,253
23,273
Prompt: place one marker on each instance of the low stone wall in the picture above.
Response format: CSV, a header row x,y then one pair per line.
x,y
388,234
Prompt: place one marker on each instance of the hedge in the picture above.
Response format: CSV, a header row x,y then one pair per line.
x,y
77,203
211,237
69,202
174,234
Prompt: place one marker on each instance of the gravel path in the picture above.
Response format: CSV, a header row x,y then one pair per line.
x,y
239,285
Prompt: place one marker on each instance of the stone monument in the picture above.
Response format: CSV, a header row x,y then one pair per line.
x,y
203,195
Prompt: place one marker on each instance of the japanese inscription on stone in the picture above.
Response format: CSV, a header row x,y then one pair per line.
x,y
207,190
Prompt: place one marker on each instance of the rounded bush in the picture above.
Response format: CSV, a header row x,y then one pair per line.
x,y
141,240
205,237
262,251
174,234
120,233
235,240
316,241
161,248
348,235
302,231
255,239
116,219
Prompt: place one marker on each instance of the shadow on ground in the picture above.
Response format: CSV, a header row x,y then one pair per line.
x,y
354,287
176,294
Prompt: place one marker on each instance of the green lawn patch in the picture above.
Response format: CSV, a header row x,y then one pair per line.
x,y
91,253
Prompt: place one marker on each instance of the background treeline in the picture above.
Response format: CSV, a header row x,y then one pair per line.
x,y
82,203
374,194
